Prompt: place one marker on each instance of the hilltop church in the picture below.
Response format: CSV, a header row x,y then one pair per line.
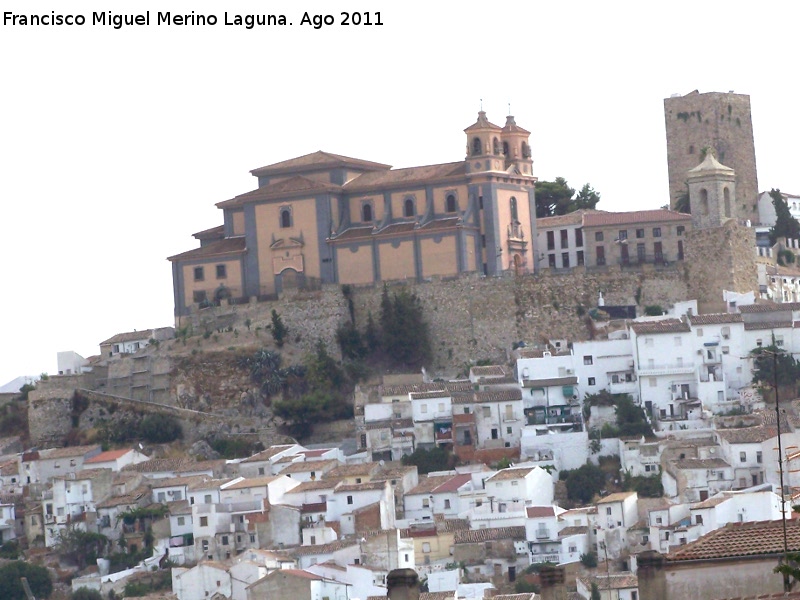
x,y
324,218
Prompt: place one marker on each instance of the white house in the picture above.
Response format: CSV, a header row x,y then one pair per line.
x,y
436,494
115,459
202,581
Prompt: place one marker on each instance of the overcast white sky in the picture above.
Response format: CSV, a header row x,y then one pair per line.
x,y
115,145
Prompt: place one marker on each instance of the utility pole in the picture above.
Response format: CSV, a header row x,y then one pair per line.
x,y
787,587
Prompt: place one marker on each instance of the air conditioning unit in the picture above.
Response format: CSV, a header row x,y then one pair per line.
x,y
570,371
546,354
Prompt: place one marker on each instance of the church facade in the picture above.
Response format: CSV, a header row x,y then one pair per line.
x,y
325,218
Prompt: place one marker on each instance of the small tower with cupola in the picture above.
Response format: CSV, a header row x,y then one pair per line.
x,y
484,146
516,149
712,193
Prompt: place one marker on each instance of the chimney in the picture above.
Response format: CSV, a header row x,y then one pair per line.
x,y
402,584
552,583
652,579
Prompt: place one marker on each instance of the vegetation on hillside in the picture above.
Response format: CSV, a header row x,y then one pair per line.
x,y
11,585
630,418
426,461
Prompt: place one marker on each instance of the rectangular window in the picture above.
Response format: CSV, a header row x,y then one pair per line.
x,y
681,229
551,261
658,252
579,237
580,258
508,430
426,503
623,234
699,332
203,521
199,296
653,381
591,381
313,540
641,253
551,240
222,272
759,457
199,274
608,510
207,499
447,502
423,408
426,547
564,238
349,499
656,231
181,520
587,360
640,233
565,260
601,255
598,236
224,540
742,456
487,411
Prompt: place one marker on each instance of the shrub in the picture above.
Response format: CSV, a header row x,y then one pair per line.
x,y
160,429
11,586
279,330
589,560
85,593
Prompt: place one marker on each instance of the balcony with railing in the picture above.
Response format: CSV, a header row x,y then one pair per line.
x,y
546,558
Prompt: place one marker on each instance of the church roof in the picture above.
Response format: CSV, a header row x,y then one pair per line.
x,y
233,245
368,231
709,166
482,123
285,187
317,161
404,177
600,218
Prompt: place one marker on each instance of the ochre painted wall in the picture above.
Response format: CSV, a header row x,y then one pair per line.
x,y
439,259
232,281
355,267
397,263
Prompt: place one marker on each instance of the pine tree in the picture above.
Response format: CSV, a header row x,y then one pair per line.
x,y
786,226
279,330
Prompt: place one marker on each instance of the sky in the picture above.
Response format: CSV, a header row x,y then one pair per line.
x,y
115,145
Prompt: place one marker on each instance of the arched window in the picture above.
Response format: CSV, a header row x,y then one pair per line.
x,y
513,203
703,201
526,150
408,208
496,146
726,194
450,203
476,147
366,212
505,148
286,218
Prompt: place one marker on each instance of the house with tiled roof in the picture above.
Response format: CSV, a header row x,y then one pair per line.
x,y
505,496
493,552
616,513
116,459
261,463
325,218
132,341
734,561
201,581
40,466
297,583
620,586
72,501
436,494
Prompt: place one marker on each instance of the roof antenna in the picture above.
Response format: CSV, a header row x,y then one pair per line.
x,y
481,104
509,107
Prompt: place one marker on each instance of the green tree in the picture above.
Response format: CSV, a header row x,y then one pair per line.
x,y
558,198
85,593
322,370
372,336
589,559
587,198
350,341
595,592
160,429
435,459
80,547
405,337
766,359
279,330
786,226
682,204
584,482
11,585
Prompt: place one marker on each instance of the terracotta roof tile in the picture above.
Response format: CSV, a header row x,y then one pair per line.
x,y
617,581
310,465
498,395
430,483
660,215
293,186
355,470
231,245
108,456
473,536
488,371
405,389
573,218
662,326
511,473
616,497
537,512
762,307
405,177
210,234
360,487
701,463
768,325
68,452
736,540
316,161
716,319
321,548
310,486
748,435
268,453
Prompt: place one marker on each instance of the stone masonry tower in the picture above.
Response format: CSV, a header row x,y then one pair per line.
x,y
720,253
716,120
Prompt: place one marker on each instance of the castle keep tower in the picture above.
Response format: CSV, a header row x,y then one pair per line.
x,y
715,120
